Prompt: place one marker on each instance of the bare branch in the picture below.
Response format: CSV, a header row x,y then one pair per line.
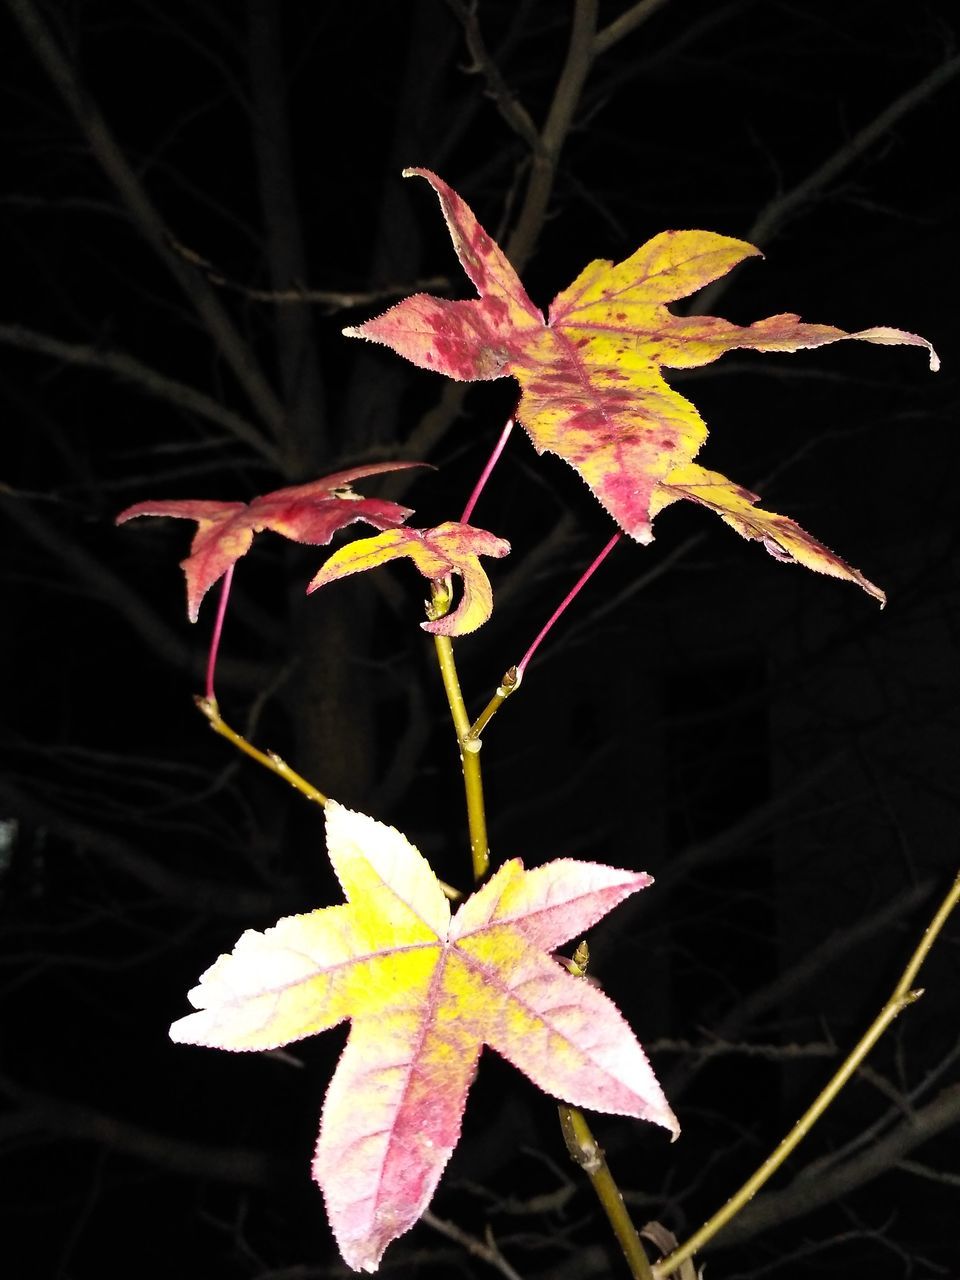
x,y
194,892
626,24
566,98
40,1114
104,583
134,371
932,1175
779,209
300,295
296,343
505,100
146,217
804,1195
782,207
486,1250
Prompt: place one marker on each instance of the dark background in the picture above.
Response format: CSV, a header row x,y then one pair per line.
x,y
779,753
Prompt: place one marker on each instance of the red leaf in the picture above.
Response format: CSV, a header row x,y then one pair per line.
x,y
310,513
450,548
592,387
424,994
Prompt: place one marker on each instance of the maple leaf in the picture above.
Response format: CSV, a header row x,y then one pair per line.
x,y
424,994
450,548
310,513
592,387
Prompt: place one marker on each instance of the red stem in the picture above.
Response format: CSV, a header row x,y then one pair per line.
x,y
217,632
566,601
485,473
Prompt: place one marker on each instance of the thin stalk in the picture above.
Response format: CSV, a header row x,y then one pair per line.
x,y
217,632
506,686
269,759
584,1149
586,1152
901,997
485,473
565,603
469,748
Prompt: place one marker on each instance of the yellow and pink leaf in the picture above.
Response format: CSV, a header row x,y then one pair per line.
x,y
593,391
450,548
425,993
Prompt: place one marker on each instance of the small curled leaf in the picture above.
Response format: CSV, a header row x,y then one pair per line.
x,y
450,548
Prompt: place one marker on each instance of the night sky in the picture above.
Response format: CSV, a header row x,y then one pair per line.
x,y
196,199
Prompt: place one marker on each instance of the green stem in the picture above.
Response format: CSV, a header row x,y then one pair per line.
x,y
506,686
469,747
586,1152
583,1148
901,997
269,759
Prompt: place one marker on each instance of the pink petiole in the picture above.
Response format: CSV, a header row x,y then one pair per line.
x,y
485,473
566,602
217,632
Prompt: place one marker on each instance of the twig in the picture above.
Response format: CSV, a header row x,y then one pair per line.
x,y
804,1196
933,1175
903,995
506,686
41,1113
469,748
487,1250
196,893
269,759
546,155
626,24
566,98
129,369
586,1152
300,295
781,207
503,97
68,553
148,220
296,340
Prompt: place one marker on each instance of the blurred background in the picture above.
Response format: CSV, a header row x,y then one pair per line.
x,y
196,199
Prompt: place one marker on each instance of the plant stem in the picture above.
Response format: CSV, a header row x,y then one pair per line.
x,y
511,680
586,1152
469,747
901,997
506,686
583,1148
217,632
485,473
269,759
564,604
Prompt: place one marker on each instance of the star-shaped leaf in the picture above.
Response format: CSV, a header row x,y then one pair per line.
x,y
450,548
593,390
310,513
424,994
